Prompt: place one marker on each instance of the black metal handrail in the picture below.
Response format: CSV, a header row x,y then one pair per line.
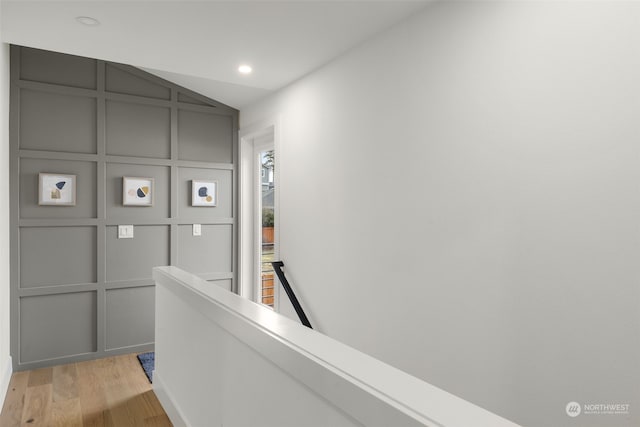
x,y
277,267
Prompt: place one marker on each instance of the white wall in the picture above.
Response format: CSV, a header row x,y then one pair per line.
x,y
460,198
5,359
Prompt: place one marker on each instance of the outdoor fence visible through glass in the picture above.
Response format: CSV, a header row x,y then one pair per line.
x,y
267,255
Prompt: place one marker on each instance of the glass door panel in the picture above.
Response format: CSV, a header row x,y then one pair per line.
x,y
267,219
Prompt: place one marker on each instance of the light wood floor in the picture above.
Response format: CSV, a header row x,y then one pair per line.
x,y
106,392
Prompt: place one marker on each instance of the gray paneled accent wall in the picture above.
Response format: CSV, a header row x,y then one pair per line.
x,y
78,291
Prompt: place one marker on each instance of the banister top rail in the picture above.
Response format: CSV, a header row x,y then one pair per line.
x,y
277,267
366,389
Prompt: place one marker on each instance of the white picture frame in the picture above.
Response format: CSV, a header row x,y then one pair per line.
x,y
137,191
204,193
56,189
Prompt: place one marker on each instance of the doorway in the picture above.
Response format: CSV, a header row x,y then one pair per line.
x,y
264,168
259,219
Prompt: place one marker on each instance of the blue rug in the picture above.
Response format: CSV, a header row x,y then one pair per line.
x,y
148,360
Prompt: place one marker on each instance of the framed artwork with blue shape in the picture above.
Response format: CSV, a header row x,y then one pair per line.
x,y
204,193
56,189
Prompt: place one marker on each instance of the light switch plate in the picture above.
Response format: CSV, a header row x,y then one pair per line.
x,y
197,229
125,232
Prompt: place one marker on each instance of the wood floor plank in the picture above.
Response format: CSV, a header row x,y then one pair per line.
x,y
94,419
122,390
40,377
142,404
65,382
37,405
154,405
66,413
14,401
158,421
119,394
93,400
108,419
131,368
140,408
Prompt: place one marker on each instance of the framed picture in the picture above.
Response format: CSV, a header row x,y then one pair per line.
x,y
137,191
204,193
57,189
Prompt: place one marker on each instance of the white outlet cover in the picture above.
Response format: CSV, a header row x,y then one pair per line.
x,y
197,229
125,232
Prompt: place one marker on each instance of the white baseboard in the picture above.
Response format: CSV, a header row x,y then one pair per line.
x,y
167,402
5,379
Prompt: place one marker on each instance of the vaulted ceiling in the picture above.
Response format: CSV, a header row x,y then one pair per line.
x,y
200,44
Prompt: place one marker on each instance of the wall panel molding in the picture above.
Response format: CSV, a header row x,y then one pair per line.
x,y
102,121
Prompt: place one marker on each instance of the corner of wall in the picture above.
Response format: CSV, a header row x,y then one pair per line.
x,y
5,358
5,379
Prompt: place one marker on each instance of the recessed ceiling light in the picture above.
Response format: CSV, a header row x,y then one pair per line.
x,y
87,20
245,69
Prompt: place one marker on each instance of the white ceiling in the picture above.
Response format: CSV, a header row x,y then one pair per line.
x,y
199,44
